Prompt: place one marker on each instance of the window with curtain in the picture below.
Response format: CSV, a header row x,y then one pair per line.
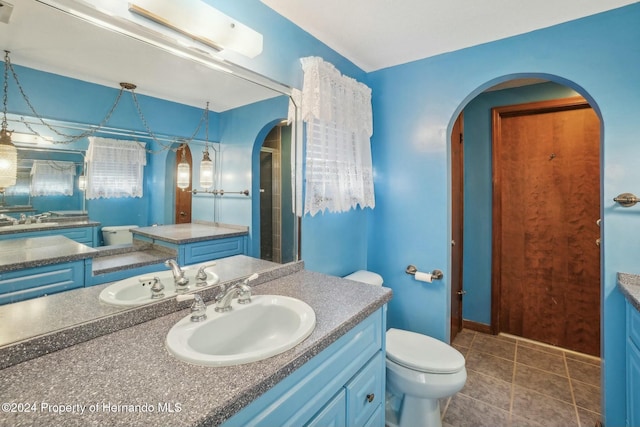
x,y
52,178
337,112
115,168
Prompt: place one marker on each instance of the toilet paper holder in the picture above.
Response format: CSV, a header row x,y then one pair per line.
x,y
436,274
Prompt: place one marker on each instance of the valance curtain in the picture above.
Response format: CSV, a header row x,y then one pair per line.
x,y
115,168
52,178
337,111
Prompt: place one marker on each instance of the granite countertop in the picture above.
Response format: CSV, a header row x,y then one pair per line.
x,y
51,224
189,233
110,375
629,284
18,254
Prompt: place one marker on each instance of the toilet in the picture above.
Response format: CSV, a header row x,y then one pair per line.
x,y
117,235
420,371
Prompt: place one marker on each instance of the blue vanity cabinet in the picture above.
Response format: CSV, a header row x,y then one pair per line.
x,y
343,385
204,250
633,366
34,282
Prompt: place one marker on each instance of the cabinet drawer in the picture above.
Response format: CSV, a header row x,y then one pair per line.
x,y
24,284
333,414
213,249
81,234
633,324
365,391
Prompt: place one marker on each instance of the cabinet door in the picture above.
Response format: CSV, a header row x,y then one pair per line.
x,y
633,384
213,249
365,391
334,413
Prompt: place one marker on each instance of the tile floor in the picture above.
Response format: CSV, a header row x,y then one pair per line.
x,y
518,383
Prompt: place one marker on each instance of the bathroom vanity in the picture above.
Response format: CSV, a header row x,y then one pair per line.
x,y
197,242
629,284
128,377
80,230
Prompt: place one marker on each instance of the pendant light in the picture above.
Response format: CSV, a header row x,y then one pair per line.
x,y
8,151
184,171
206,165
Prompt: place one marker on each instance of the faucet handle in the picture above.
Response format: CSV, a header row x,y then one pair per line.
x,y
244,290
156,286
201,275
198,308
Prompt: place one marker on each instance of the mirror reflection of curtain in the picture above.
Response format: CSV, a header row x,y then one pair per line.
x,y
52,178
115,168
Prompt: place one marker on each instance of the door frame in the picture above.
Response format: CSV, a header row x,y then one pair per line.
x,y
457,225
497,113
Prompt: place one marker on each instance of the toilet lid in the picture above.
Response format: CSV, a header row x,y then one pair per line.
x,y
422,353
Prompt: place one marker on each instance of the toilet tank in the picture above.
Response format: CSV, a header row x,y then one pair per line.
x,y
364,276
117,235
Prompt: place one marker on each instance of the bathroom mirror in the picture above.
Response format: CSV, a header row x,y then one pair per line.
x,y
46,43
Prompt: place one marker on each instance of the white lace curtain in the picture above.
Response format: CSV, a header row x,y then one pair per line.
x,y
115,168
52,178
337,111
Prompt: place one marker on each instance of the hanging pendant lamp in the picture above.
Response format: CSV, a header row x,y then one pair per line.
x,y
8,151
184,171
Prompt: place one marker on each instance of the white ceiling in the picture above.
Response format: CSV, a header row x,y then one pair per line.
x,y
377,34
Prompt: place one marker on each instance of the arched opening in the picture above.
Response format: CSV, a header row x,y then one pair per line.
x,y
481,288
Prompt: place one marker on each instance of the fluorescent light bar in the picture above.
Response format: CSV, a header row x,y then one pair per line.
x,y
202,23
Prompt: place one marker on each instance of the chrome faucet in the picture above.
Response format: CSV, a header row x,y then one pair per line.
x,y
178,275
240,290
155,285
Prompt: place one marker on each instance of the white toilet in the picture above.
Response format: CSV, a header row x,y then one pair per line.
x,y
117,235
420,371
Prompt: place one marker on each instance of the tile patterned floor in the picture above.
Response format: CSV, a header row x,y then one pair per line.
x,y
517,383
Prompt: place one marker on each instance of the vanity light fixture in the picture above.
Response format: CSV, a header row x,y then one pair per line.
x,y
82,182
202,23
8,151
184,171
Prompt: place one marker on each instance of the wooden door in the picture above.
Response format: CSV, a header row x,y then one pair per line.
x,y
457,208
183,197
546,264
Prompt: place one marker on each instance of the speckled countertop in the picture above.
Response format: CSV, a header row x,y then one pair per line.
x,y
132,367
629,284
189,233
53,224
18,254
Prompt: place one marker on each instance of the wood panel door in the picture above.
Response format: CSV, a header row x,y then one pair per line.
x,y
183,197
457,224
546,263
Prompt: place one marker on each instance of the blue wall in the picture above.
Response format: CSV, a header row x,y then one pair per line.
x,y
478,191
414,108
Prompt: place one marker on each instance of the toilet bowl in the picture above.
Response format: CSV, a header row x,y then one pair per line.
x,y
117,235
420,371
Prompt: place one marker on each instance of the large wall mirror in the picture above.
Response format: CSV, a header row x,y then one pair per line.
x,y
70,68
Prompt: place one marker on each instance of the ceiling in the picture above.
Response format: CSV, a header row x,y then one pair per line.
x,y
47,39
376,34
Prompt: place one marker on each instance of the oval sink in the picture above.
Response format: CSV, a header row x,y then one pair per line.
x,y
269,325
130,291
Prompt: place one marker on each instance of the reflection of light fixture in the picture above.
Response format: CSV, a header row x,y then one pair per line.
x,y
206,170
184,171
206,165
8,151
82,182
202,23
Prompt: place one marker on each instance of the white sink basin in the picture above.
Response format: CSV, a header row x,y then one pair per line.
x,y
269,325
130,292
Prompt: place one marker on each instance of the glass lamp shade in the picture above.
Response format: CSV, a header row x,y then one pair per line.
x,y
206,171
184,175
8,161
82,182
